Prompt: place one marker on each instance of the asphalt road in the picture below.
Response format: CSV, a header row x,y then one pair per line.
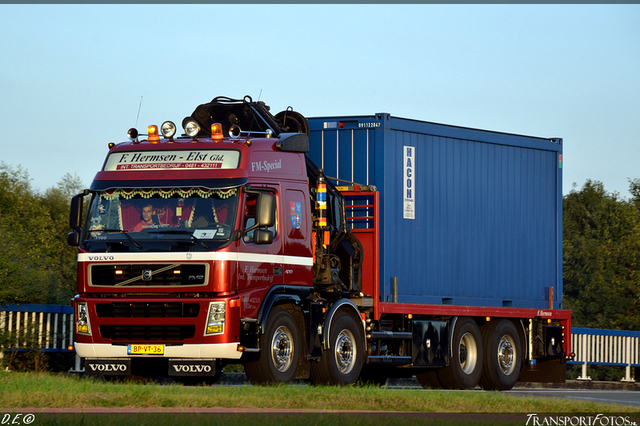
x,y
621,397
597,392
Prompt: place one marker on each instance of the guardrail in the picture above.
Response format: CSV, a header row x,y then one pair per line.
x,y
594,346
48,327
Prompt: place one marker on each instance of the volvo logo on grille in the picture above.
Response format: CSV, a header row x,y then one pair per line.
x,y
147,274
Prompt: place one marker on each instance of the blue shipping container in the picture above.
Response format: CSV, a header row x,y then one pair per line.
x,y
469,217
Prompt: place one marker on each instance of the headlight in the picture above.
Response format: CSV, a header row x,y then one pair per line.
x,y
82,319
215,318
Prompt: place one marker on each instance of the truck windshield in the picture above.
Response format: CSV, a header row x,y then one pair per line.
x,y
170,219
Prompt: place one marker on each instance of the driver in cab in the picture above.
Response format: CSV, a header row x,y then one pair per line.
x,y
147,219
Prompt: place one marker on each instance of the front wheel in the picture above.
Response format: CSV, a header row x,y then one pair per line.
x,y
342,362
279,351
503,355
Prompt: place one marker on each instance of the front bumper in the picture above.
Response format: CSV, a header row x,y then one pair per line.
x,y
213,351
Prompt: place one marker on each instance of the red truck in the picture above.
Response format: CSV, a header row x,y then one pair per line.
x,y
229,244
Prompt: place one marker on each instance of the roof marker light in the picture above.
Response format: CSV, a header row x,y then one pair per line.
x,y
216,132
153,134
168,129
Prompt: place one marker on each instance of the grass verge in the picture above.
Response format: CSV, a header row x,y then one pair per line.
x,y
20,390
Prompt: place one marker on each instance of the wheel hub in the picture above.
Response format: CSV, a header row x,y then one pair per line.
x,y
282,349
468,353
506,355
345,352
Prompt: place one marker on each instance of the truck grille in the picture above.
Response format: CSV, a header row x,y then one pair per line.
x,y
136,333
148,275
147,310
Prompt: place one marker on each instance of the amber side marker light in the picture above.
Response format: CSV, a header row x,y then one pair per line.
x,y
70,347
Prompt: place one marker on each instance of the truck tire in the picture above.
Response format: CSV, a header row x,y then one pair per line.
x,y
503,355
342,362
465,367
279,351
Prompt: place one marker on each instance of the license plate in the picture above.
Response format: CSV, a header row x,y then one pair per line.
x,y
145,350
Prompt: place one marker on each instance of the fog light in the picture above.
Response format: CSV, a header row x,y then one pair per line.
x,y
214,329
191,127
168,129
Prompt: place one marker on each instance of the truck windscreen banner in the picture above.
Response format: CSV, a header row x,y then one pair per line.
x,y
173,160
409,181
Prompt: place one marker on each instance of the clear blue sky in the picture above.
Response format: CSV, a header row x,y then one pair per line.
x,y
71,76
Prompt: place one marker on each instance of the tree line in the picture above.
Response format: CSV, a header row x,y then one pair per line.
x,y
601,259
36,263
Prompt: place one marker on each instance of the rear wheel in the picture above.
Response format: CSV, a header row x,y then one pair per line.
x,y
463,371
342,362
279,351
503,355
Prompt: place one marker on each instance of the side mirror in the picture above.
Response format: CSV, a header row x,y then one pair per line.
x,y
75,216
73,238
262,236
266,210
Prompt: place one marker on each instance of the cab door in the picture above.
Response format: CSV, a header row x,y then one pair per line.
x,y
296,228
259,263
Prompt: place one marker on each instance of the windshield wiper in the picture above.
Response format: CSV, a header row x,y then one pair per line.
x,y
180,231
126,234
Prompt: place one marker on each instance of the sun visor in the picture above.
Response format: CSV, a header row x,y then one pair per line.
x,y
102,185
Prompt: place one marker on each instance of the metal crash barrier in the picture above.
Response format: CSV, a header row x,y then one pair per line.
x,y
43,327
594,346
